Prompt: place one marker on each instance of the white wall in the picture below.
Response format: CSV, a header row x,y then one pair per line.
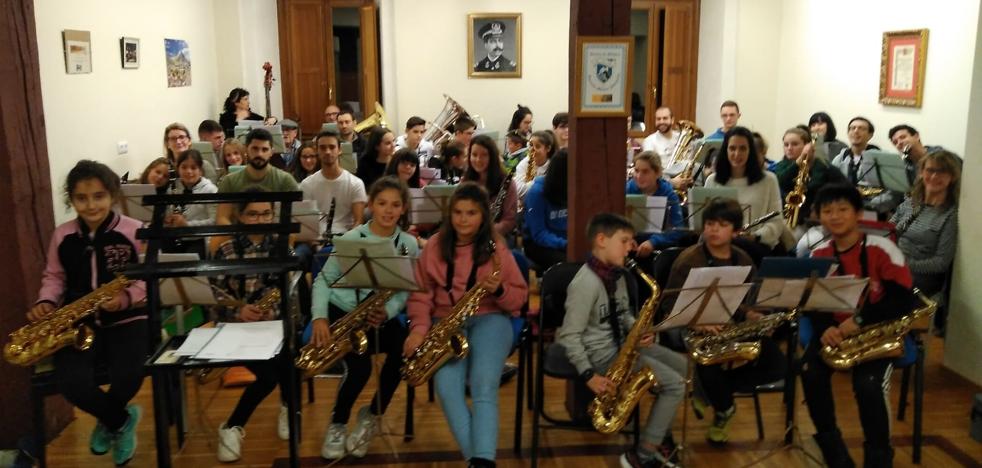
x,y
424,52
964,337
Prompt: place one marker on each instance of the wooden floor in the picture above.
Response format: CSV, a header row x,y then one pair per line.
x,y
946,425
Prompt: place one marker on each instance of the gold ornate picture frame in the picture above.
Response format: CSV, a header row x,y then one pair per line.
x,y
902,67
494,45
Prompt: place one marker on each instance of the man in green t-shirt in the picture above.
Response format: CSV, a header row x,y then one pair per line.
x,y
257,173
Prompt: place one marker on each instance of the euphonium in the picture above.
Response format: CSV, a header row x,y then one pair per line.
x,y
36,341
796,198
444,340
610,411
348,334
267,304
686,173
877,341
737,342
687,133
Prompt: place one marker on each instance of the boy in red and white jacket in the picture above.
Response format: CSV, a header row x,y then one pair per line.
x,y
877,258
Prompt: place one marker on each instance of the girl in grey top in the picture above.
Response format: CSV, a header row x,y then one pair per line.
x,y
927,221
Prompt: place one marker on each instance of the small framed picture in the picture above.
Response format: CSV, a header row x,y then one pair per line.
x,y
902,65
603,76
129,52
494,45
78,51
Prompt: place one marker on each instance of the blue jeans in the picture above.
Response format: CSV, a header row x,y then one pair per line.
x,y
476,429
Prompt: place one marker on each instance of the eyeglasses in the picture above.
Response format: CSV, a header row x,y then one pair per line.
x,y
934,171
178,138
268,214
331,114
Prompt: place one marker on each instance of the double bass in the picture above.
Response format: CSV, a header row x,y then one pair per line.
x,y
267,85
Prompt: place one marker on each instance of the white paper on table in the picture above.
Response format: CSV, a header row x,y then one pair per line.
x,y
245,341
781,293
131,203
197,339
731,290
390,270
837,294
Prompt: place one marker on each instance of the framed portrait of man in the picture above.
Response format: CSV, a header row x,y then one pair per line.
x,y
494,45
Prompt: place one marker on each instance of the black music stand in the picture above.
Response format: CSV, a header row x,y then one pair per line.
x,y
280,261
703,301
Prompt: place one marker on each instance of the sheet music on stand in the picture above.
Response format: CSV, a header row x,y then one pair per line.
x,y
429,204
207,152
710,295
430,175
348,160
131,203
184,291
890,170
785,280
373,264
646,213
699,197
306,213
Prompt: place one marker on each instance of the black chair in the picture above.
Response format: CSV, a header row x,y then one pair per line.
x,y
754,392
917,366
551,360
42,386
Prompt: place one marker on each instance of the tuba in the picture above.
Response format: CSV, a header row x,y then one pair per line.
x,y
376,119
610,411
439,131
36,341
736,343
879,340
349,333
687,133
444,340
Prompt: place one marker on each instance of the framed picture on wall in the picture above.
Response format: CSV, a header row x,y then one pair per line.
x,y
902,65
129,52
602,84
78,51
494,45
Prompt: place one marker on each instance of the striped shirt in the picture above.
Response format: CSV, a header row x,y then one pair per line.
x,y
927,236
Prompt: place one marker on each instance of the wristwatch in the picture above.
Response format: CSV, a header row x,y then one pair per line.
x,y
586,375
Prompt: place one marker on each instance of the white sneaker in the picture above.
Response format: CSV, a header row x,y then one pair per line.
x,y
230,443
283,424
365,430
333,447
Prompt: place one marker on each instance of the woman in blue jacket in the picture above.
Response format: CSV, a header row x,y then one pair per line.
x,y
546,215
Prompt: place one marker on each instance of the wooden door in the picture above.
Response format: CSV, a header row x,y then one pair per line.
x,y
666,41
329,54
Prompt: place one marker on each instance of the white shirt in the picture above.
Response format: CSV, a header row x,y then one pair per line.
x,y
521,170
424,151
346,189
661,145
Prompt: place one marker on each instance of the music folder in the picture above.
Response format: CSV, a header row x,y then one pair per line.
x,y
429,204
890,170
305,212
131,203
646,213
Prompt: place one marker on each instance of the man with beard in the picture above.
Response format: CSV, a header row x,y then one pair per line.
x,y
346,127
494,43
663,140
257,173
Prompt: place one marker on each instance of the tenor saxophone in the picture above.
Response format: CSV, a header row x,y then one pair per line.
x,y
35,341
796,198
348,334
879,340
610,411
735,343
445,340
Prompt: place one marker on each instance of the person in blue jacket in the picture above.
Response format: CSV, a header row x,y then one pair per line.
x,y
546,215
648,180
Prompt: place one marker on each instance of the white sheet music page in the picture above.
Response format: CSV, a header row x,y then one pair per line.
x,y
197,339
731,289
245,341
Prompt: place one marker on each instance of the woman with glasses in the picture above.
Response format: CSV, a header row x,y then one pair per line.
x,y
177,139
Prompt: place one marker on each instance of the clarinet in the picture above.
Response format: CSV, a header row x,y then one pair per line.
x,y
499,199
328,235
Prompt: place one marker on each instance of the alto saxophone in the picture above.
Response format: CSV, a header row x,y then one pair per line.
x,y
610,411
267,304
796,198
445,340
348,334
735,343
530,156
36,341
877,341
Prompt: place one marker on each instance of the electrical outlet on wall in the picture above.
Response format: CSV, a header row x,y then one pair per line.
x,y
122,148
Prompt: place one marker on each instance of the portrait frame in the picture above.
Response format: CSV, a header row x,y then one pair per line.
x,y
512,47
603,89
78,51
903,62
129,52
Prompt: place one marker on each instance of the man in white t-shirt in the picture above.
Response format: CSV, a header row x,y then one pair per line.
x,y
334,183
664,138
413,139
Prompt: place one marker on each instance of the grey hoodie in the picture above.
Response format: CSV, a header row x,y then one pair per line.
x,y
586,332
